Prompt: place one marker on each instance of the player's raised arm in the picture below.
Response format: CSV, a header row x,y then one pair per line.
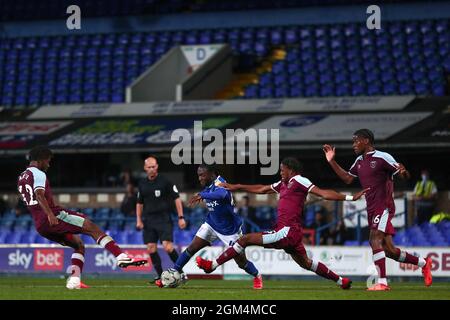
x,y
330,153
252,188
40,196
334,195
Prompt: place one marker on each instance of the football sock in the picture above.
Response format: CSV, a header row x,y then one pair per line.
x,y
156,261
173,255
320,269
184,258
109,244
379,258
77,263
250,269
409,258
228,254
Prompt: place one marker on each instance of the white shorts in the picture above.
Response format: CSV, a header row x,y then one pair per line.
x,y
206,232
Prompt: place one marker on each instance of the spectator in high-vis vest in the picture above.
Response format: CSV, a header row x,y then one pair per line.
x,y
425,195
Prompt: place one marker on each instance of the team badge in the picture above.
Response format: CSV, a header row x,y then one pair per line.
x,y
373,164
289,185
157,193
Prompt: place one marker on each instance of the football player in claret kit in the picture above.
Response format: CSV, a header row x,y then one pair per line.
x,y
288,233
222,222
61,225
375,170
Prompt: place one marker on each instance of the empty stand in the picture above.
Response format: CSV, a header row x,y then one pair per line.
x,y
410,57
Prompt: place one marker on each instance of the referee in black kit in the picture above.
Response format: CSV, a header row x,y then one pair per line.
x,y
154,204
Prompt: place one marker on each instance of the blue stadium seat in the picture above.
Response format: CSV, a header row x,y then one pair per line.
x,y
90,212
121,237
129,224
14,237
182,237
102,213
4,234
40,239
87,239
135,237
29,237
66,69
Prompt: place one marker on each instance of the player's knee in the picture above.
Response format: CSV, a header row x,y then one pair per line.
x,y
87,224
91,229
376,242
390,251
305,263
244,240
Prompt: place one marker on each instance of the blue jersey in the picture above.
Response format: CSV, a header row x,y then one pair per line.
x,y
221,216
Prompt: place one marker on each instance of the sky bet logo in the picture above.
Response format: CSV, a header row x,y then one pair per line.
x,y
43,259
48,259
105,259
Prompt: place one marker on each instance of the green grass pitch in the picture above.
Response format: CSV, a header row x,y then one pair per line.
x,y
18,288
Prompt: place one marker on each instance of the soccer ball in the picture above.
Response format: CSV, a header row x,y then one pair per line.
x,y
170,278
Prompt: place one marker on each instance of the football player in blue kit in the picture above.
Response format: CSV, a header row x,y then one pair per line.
x,y
222,222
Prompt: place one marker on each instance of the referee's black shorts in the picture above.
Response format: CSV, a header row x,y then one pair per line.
x,y
155,231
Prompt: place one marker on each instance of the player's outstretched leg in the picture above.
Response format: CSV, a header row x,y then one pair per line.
x,y
183,258
173,255
399,255
210,265
321,270
237,248
196,244
123,259
250,268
